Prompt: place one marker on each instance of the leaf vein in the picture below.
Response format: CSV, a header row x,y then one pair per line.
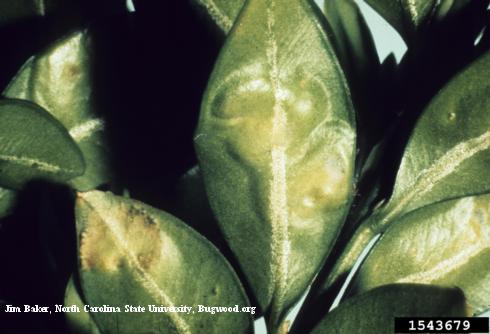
x,y
223,21
281,246
443,167
31,162
141,275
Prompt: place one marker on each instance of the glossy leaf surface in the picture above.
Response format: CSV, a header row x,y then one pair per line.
x,y
445,158
34,145
373,312
449,150
276,144
443,244
131,253
60,80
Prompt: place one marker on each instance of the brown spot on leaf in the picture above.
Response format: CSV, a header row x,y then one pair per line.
x,y
118,235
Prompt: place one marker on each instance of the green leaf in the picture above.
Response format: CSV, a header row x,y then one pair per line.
x,y
353,38
357,54
133,254
374,312
60,80
446,157
418,11
222,12
34,145
405,16
11,11
391,11
276,146
79,322
7,200
446,244
192,202
449,150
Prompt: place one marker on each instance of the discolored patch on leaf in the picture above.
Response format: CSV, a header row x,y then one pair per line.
x,y
276,145
132,254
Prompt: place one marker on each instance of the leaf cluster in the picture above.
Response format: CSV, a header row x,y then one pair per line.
x,y
240,153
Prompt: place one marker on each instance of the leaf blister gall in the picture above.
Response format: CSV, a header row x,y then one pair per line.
x,y
132,253
282,133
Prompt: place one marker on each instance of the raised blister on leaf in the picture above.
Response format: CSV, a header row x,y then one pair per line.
x,y
60,80
443,244
34,145
374,311
276,144
133,254
449,150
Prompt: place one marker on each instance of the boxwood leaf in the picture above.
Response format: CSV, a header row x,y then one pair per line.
x,y
33,144
222,12
133,254
374,311
446,244
276,146
352,37
78,322
449,150
11,11
60,80
445,158
7,200
405,15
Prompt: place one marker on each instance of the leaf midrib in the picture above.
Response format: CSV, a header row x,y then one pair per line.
x,y
430,176
147,281
278,205
30,162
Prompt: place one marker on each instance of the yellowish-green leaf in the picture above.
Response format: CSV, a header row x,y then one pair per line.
x,y
133,254
444,244
60,80
374,311
276,146
449,150
34,145
79,321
